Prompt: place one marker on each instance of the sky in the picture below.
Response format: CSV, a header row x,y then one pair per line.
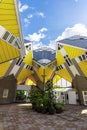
x,y
46,21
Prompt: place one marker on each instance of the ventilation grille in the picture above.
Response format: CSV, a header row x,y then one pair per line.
x,y
19,61
9,38
60,67
28,67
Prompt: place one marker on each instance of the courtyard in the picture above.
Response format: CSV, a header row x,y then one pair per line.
x,y
22,117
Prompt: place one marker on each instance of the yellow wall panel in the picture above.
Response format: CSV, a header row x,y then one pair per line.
x,y
28,58
8,15
83,66
65,74
4,49
59,58
15,27
23,75
73,52
40,72
3,68
15,32
48,73
8,19
11,52
7,1
2,56
6,12
7,52
6,6
10,23
56,79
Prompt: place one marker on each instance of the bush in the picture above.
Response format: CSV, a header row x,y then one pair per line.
x,y
44,102
48,103
35,97
59,107
20,95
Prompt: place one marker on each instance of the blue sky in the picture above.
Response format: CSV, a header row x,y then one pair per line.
x,y
45,21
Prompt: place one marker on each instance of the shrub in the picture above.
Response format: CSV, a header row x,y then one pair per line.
x,y
35,97
44,102
20,95
59,107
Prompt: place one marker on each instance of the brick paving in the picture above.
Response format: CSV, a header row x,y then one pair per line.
x,y
22,117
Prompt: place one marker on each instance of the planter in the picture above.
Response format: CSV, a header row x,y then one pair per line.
x,y
59,110
51,111
59,107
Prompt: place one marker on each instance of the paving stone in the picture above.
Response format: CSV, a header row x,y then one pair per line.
x,y
18,117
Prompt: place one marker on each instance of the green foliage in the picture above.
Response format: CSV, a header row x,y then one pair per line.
x,y
35,97
56,87
59,107
43,102
20,95
48,85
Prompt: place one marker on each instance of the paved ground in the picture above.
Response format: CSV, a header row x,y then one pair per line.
x,y
21,117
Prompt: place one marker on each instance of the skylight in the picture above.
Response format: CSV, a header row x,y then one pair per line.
x,y
44,61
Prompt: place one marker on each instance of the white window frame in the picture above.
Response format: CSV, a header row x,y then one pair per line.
x,y
84,97
5,93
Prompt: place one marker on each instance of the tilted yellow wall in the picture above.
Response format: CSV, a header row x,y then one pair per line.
x,y
72,52
8,19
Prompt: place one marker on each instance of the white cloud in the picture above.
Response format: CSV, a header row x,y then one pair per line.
x,y
77,29
30,16
42,30
52,44
26,21
22,7
41,14
36,37
37,45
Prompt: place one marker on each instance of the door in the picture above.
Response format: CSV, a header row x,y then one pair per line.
x,y
72,97
84,93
